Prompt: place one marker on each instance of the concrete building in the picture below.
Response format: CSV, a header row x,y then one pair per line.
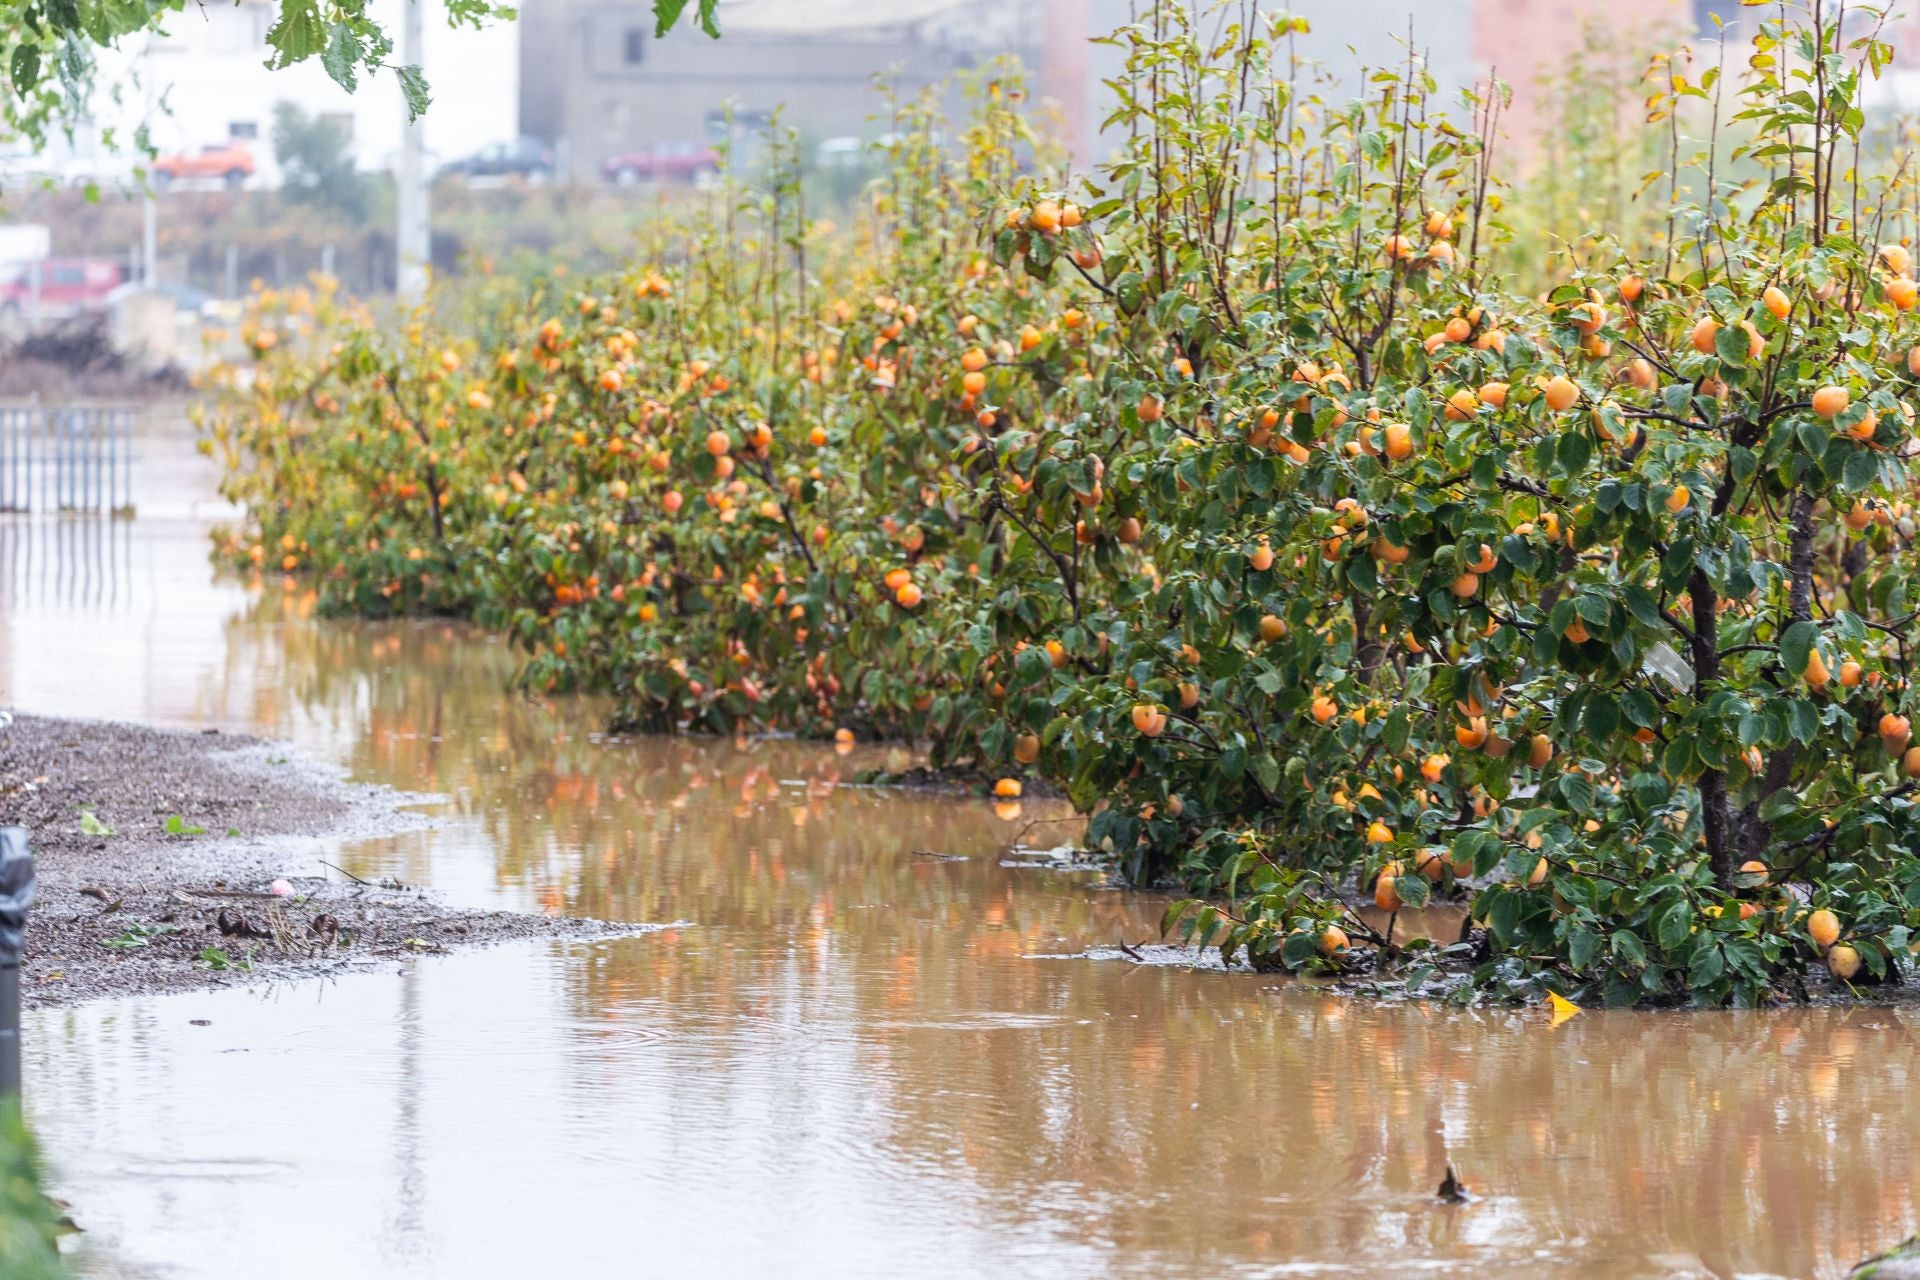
x,y
596,83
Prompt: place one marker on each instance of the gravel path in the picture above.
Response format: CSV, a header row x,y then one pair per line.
x,y
146,909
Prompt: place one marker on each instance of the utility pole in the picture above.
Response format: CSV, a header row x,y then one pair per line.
x,y
149,244
150,213
412,240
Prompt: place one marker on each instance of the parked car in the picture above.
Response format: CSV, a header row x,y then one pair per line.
x,y
231,162
525,158
67,287
687,160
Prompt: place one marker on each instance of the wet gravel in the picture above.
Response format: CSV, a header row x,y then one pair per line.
x,y
149,909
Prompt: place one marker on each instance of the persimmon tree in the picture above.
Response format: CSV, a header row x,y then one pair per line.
x,y
1231,490
1642,552
715,485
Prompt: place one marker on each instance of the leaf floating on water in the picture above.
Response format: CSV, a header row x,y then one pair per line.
x,y
1452,1190
1562,1007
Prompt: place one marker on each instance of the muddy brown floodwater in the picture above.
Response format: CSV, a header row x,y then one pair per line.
x,y
874,1049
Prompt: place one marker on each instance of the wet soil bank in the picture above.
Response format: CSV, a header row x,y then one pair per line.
x,y
168,885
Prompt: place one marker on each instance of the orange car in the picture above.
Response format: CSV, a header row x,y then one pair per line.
x,y
229,161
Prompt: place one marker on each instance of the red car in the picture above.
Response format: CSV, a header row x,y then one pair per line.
x,y
684,161
67,286
229,161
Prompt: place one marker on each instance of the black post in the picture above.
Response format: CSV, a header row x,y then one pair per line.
x,y
16,894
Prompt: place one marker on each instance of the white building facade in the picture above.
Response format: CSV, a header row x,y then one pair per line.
x,y
207,82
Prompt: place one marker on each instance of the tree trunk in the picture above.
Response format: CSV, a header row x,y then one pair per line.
x,y
1754,834
1368,652
1716,812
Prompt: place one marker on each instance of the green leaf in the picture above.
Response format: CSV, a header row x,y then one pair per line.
x,y
1803,722
1861,471
1175,910
1730,344
1678,758
1575,452
1628,949
1671,926
24,67
413,86
1504,918
1642,606
666,14
1708,966
92,826
1233,760
1576,791
298,34
1299,947
1582,946
1601,717
1640,709
341,57
1796,645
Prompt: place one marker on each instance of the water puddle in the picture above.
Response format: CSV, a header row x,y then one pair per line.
x,y
883,1045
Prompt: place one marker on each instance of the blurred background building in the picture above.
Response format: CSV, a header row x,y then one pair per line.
x,y
597,87
588,82
594,84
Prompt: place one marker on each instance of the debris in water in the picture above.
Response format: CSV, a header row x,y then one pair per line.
x,y
1562,1007
234,924
1452,1191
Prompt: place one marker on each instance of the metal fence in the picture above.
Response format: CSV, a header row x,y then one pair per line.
x,y
66,458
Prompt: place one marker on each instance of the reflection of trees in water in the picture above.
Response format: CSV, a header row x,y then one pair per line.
x,y
832,963
1318,1128
626,829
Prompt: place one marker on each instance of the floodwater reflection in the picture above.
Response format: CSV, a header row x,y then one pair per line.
x,y
872,1048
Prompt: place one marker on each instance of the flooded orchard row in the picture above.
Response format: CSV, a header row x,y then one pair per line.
x,y
873,1047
